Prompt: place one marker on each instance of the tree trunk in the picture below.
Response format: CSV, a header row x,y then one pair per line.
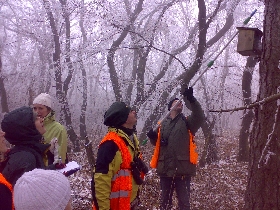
x,y
247,114
210,150
264,164
60,94
112,51
3,93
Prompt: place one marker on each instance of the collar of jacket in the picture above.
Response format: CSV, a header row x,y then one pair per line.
x,y
124,135
50,117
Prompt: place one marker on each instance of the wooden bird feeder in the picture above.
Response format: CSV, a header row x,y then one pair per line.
x,y
249,41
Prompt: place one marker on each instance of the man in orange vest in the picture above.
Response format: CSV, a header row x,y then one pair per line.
x,y
119,169
174,156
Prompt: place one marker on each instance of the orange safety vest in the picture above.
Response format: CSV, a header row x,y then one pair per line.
x,y
121,183
193,153
8,185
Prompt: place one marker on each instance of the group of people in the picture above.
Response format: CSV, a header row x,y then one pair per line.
x,y
27,169
39,145
119,169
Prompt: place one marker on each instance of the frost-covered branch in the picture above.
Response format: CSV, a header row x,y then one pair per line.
x,y
250,106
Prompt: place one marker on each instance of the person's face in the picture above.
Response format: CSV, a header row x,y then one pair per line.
x,y
131,120
3,143
179,106
41,110
39,124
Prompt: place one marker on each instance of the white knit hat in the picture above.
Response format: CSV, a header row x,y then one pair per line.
x,y
43,99
41,189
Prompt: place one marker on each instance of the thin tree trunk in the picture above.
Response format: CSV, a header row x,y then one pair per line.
x,y
3,93
60,94
243,153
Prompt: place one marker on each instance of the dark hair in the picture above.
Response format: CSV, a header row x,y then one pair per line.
x,y
171,102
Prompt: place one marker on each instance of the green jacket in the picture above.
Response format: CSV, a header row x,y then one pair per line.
x,y
174,157
108,163
55,129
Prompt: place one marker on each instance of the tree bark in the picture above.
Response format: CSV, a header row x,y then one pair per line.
x,y
243,153
264,163
3,93
60,94
112,51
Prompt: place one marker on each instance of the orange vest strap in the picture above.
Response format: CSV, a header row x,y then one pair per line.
x,y
8,185
126,157
193,153
154,160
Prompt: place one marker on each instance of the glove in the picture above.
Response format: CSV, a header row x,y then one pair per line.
x,y
189,94
68,173
60,165
136,173
141,165
152,134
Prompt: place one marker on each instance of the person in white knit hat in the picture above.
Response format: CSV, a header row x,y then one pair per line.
x,y
41,189
56,134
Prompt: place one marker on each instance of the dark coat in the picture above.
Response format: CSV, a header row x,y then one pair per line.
x,y
174,156
27,153
23,159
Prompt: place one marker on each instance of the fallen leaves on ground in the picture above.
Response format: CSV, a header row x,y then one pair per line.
x,y
217,186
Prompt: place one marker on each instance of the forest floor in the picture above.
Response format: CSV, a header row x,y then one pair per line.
x,y
218,186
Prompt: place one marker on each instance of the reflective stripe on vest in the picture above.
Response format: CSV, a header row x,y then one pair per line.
x,y
120,173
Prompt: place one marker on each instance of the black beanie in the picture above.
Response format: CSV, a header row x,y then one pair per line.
x,y
171,102
117,114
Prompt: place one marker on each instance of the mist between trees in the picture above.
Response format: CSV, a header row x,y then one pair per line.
x,y
88,54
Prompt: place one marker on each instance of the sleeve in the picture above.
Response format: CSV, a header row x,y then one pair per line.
x,y
62,142
5,198
60,133
107,164
196,118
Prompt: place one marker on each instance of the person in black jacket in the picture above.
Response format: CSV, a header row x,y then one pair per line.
x,y
6,191
24,130
175,157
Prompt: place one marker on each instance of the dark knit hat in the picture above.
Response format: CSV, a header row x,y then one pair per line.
x,y
19,126
171,102
117,114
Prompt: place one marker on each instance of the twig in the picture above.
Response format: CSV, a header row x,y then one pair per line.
x,y
250,106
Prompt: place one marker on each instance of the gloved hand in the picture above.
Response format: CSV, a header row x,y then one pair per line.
x,y
68,173
60,165
136,174
152,134
142,167
189,94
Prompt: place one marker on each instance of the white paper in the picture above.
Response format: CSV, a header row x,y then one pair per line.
x,y
70,166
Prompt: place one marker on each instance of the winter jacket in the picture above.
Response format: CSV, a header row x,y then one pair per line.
x,y
24,158
174,150
55,130
6,192
109,162
28,151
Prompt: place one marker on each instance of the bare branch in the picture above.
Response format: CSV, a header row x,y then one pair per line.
x,y
250,106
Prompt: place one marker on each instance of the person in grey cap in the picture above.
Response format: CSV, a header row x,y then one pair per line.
x,y
119,169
